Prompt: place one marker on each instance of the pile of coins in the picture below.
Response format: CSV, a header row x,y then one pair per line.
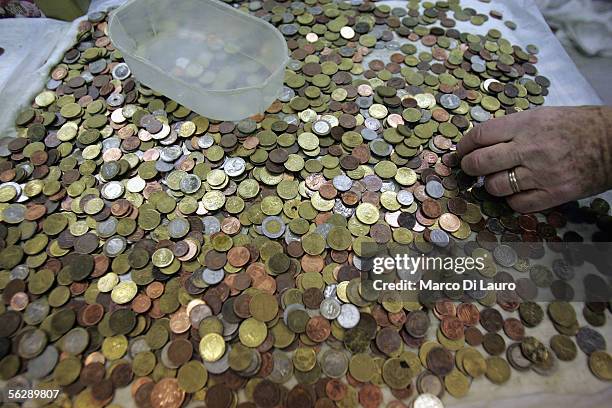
x,y
145,246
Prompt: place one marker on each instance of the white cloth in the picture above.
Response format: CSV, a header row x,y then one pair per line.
x,y
586,24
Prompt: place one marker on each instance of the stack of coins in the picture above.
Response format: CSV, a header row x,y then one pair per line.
x,y
145,246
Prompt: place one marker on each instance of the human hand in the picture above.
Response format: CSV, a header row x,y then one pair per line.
x,y
559,154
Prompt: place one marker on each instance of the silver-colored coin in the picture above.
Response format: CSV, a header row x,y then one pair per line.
x,y
563,270
405,197
178,228
75,341
450,101
434,189
20,272
286,94
479,114
342,182
213,276
36,312
505,255
590,340
211,225
190,183
112,190
14,213
115,100
107,228
205,141
340,208
427,400
439,238
41,366
369,134
234,166
515,357
349,316
170,153
321,127
334,363
32,343
330,291
282,368
220,366
137,346
121,71
199,313
372,123
114,246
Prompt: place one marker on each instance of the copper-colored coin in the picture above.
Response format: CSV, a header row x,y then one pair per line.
x,y
336,390
312,263
266,394
215,260
142,395
491,320
445,308
35,212
167,394
19,301
388,340
103,390
514,328
121,375
449,222
457,206
141,303
468,314
180,351
493,343
452,328
238,256
318,329
231,225
431,208
155,289
92,374
92,314
440,361
370,396
312,298
179,321
473,336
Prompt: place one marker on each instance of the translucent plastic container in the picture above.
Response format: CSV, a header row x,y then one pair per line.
x,y
218,61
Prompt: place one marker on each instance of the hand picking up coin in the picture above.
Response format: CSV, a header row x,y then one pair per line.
x,y
544,157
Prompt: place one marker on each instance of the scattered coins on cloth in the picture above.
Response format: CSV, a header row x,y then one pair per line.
x,y
145,246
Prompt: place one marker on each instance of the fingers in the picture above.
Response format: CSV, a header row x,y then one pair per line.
x,y
491,159
498,184
530,201
486,134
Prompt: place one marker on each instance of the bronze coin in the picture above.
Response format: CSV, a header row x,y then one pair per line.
x,y
92,374
103,390
491,320
452,328
431,208
468,314
514,329
473,336
493,344
440,361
